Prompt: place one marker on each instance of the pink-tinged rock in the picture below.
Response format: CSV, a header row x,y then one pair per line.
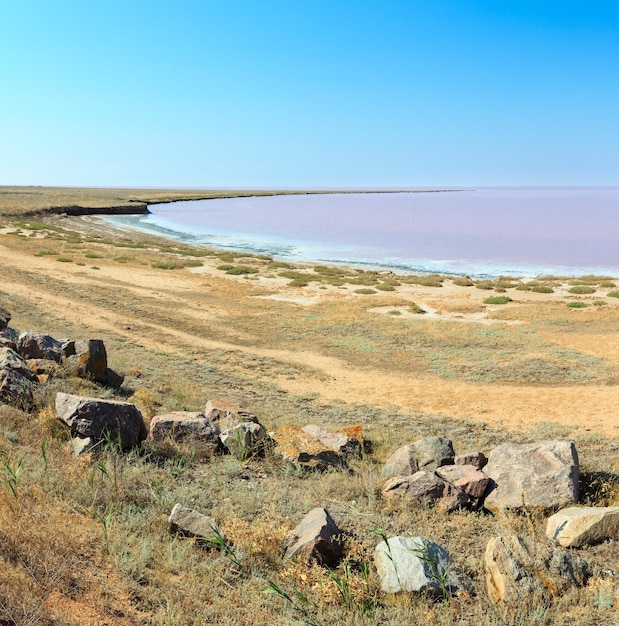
x,y
401,463
296,446
543,475
226,413
189,523
94,417
425,489
317,538
466,477
341,443
477,459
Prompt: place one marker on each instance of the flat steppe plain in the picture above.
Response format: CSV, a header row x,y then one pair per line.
x,y
405,357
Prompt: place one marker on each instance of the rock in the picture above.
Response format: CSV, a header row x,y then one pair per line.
x,y
5,318
190,523
82,445
541,474
477,459
185,427
416,564
433,452
32,345
16,390
425,489
44,366
91,358
317,537
575,527
226,413
93,417
473,482
244,440
401,463
339,442
7,342
518,571
113,379
9,359
296,446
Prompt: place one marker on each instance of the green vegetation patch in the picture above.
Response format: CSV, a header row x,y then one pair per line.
x,y
239,270
613,294
497,300
582,289
365,291
64,259
46,253
577,305
542,289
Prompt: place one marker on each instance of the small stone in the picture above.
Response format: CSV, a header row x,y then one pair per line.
x,y
473,482
477,459
190,523
341,443
402,462
244,440
296,446
317,538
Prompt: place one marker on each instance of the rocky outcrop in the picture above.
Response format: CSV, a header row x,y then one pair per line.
x,y
416,564
94,417
185,427
544,475
576,527
189,523
522,571
317,538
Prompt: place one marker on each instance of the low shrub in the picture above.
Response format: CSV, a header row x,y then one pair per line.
x,y
613,294
542,289
239,270
463,281
581,289
577,305
366,291
64,259
497,300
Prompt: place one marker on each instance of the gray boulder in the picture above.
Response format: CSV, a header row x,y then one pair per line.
x,y
94,417
402,462
317,538
543,474
184,426
244,440
433,452
9,359
521,571
575,527
189,523
416,564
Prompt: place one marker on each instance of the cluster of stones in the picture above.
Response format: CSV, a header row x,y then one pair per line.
x,y
425,473
27,360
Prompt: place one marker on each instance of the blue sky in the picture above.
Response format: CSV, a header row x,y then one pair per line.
x,y
266,93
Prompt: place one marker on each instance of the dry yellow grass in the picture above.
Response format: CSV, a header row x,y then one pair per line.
x,y
86,540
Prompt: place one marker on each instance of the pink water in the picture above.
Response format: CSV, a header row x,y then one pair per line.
x,y
484,232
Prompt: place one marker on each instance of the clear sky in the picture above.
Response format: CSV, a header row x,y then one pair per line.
x,y
320,93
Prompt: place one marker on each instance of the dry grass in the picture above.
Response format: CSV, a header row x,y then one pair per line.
x,y
86,541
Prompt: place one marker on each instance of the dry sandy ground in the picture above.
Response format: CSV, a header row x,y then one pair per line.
x,y
199,307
